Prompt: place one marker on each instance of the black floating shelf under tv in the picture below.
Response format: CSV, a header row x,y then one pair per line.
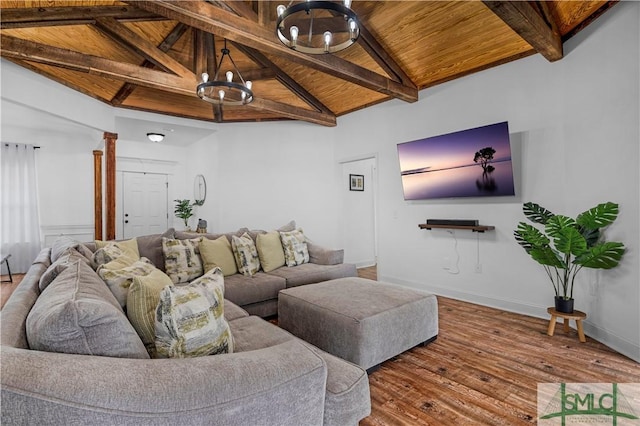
x,y
474,228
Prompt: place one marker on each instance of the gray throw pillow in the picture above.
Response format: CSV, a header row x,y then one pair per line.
x,y
77,314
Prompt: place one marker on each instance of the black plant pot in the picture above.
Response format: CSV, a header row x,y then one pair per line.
x,y
564,305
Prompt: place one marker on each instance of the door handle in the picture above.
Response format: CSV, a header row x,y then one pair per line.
x,y
126,221
126,215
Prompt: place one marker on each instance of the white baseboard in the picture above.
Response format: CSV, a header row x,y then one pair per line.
x,y
606,337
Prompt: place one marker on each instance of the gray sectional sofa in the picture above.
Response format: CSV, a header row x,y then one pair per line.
x,y
272,378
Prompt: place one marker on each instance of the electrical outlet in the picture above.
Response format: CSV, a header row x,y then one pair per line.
x,y
478,268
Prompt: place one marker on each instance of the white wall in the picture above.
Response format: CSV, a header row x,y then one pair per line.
x,y
575,126
358,213
265,174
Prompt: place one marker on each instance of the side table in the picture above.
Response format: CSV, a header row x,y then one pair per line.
x,y
5,259
577,316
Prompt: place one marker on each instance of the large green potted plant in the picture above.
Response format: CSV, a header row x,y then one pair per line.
x,y
184,210
566,245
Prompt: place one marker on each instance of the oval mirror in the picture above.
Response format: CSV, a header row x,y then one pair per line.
x,y
199,190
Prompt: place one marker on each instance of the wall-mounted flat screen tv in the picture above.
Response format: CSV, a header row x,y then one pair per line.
x,y
470,163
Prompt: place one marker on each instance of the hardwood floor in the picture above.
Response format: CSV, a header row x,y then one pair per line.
x,y
7,288
484,369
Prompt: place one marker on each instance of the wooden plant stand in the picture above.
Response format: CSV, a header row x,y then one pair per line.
x,y
577,316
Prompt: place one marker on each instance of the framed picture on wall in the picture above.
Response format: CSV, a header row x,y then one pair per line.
x,y
356,182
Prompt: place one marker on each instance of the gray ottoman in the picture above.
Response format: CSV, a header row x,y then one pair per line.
x,y
363,321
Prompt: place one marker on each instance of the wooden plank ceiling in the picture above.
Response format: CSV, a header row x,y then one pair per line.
x,y
146,55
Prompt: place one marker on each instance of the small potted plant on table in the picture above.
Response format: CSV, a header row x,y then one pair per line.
x,y
184,210
567,245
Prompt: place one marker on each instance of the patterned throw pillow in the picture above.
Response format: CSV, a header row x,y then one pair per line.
x,y
190,319
295,247
142,300
218,253
270,251
107,254
129,246
119,280
246,254
182,259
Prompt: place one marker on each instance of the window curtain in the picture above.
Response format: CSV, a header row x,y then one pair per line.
x,y
20,225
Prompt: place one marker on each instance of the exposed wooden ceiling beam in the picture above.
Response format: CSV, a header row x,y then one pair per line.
x,y
72,15
294,113
13,47
165,46
141,46
526,22
23,50
284,79
380,55
248,33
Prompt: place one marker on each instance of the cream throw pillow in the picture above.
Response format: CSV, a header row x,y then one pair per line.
x,y
270,251
182,260
142,300
295,247
190,319
218,253
246,254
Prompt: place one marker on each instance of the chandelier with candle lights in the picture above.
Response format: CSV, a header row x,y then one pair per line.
x,y
225,91
317,27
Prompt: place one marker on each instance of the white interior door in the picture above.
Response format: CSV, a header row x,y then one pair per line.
x,y
144,204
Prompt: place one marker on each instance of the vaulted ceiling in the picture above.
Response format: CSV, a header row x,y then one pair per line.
x,y
148,55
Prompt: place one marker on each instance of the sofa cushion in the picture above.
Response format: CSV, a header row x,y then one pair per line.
x,y
309,273
61,244
233,311
347,397
324,256
150,246
190,319
218,253
78,314
182,259
130,247
142,300
295,247
181,235
119,280
290,226
243,290
246,254
270,251
69,257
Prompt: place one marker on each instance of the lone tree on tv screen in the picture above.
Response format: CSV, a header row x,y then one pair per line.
x,y
484,157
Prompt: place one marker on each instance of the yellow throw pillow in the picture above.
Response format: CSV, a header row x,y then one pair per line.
x,y
270,251
218,253
128,246
142,300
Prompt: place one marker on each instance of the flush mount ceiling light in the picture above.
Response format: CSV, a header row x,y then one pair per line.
x,y
317,27
155,137
225,92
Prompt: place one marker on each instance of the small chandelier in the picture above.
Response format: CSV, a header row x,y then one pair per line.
x,y
306,26
225,92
